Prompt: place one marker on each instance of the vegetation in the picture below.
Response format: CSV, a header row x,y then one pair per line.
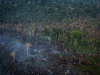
x,y
46,10
91,65
75,40
75,23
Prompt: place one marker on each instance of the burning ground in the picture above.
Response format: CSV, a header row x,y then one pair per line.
x,y
18,56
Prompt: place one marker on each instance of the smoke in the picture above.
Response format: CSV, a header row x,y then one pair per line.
x,y
40,56
24,52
